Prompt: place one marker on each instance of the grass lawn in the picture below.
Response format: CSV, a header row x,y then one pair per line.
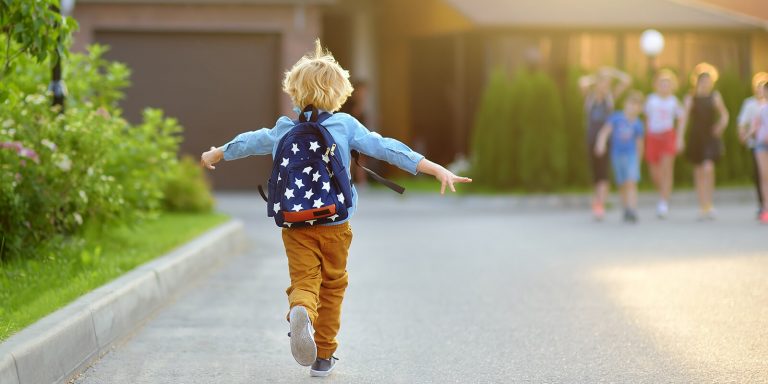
x,y
427,184
66,269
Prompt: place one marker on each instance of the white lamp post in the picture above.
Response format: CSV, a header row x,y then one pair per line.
x,y
57,86
67,6
652,44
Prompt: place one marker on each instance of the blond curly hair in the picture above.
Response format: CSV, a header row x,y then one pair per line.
x,y
318,79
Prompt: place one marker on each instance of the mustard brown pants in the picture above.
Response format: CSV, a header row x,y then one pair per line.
x,y
317,263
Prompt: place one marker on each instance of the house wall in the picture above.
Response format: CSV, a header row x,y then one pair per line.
x,y
398,23
298,25
759,51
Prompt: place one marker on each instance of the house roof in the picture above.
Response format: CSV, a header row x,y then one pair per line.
x,y
603,14
745,8
264,2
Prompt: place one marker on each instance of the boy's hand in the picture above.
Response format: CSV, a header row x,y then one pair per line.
x,y
448,178
599,149
213,156
444,176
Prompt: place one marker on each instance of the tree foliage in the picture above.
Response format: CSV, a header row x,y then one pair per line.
x,y
34,28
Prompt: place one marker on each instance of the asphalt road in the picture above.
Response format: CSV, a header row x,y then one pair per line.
x,y
473,290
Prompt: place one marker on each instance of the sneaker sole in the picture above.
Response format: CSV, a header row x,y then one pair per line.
x,y
314,373
303,345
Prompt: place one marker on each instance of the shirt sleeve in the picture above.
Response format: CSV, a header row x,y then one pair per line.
x,y
260,142
639,130
383,148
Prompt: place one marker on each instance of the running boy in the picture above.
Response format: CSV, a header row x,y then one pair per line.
x,y
626,132
666,124
317,255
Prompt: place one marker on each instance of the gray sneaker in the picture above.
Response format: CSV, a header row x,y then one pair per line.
x,y
303,345
323,367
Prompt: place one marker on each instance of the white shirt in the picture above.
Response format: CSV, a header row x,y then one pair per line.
x,y
762,130
749,110
661,112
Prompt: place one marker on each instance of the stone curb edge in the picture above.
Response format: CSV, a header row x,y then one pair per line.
x,y
58,345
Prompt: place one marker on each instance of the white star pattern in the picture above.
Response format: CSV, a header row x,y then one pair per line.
x,y
311,222
287,224
318,203
334,217
341,197
325,158
307,170
308,194
285,162
299,183
279,177
313,146
326,186
315,177
297,207
288,193
276,207
295,148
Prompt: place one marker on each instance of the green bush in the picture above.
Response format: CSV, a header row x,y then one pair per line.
x,y
736,164
59,172
187,189
542,136
492,132
577,170
519,139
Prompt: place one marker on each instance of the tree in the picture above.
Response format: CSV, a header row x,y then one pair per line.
x,y
34,28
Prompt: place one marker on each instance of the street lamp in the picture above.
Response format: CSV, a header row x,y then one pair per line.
x,y
57,86
652,43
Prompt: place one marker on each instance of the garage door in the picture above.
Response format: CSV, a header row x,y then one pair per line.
x,y
216,84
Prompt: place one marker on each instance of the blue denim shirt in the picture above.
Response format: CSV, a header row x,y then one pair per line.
x,y
349,134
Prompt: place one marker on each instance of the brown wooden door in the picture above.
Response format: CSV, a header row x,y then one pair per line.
x,y
216,84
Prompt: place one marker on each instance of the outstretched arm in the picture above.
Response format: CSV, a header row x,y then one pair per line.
x,y
399,155
259,142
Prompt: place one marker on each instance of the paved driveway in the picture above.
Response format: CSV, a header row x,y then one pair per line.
x,y
474,290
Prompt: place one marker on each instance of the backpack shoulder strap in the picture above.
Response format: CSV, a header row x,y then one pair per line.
x,y
388,183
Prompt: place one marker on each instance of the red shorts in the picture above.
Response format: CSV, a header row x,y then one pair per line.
x,y
658,145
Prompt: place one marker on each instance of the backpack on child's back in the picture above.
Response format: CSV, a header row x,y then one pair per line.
x,y
309,184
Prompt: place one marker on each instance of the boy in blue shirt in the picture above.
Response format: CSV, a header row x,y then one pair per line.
x,y
625,130
317,255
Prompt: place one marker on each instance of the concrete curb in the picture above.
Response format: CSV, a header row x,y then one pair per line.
x,y
56,347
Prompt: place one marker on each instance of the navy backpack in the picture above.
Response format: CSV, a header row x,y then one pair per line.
x,y
309,184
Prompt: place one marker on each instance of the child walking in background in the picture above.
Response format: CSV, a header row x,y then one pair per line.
x,y
663,113
317,253
599,98
749,111
760,132
625,130
705,110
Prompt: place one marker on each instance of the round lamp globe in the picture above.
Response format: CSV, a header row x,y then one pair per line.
x,y
652,42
